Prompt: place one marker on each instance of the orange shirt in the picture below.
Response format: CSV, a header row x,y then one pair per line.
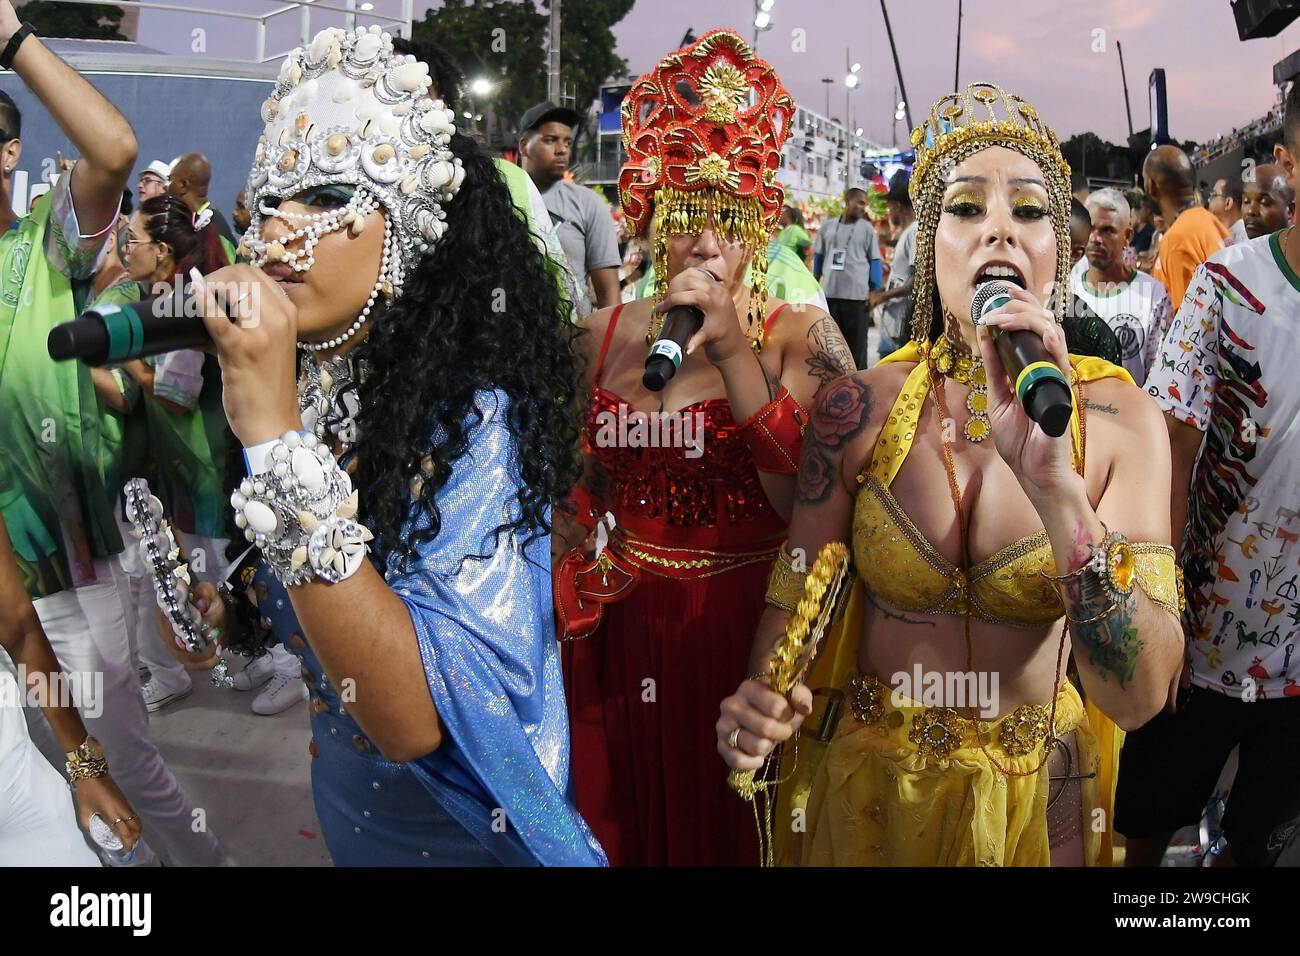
x,y
1195,235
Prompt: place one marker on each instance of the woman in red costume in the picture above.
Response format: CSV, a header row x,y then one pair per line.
x,y
658,611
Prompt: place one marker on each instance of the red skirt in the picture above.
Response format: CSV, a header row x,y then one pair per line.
x,y
643,694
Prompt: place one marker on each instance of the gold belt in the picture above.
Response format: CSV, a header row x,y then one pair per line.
x,y
941,730
663,560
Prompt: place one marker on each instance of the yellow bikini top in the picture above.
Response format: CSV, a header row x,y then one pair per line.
x,y
899,565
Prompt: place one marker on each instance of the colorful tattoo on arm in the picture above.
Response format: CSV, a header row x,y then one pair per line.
x,y
1112,642
842,411
1110,639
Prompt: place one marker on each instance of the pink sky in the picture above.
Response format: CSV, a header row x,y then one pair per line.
x,y
1041,50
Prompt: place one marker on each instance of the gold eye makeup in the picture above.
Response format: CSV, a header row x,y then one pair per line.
x,y
1028,207
965,204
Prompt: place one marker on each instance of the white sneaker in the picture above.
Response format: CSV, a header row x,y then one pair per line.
x,y
280,694
156,696
255,673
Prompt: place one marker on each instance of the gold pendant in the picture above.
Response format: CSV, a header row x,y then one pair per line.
x,y
969,371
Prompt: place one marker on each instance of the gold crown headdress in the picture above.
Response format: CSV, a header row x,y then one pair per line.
x,y
959,125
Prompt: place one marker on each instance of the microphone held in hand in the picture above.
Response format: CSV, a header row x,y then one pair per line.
x,y
1041,388
681,322
118,332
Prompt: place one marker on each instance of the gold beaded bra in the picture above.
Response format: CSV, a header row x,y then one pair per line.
x,y
902,567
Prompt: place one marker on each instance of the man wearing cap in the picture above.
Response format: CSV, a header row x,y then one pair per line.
x,y
896,297
153,181
582,220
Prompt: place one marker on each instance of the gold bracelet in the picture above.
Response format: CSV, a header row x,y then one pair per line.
x,y
784,583
87,761
87,770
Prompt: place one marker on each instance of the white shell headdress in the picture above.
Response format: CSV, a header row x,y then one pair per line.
x,y
347,109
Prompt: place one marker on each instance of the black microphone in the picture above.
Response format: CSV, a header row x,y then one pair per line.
x,y
106,334
681,322
1041,388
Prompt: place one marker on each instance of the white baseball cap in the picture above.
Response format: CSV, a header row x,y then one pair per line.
x,y
159,169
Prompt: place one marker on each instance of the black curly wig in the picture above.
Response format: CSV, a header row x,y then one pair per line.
x,y
482,310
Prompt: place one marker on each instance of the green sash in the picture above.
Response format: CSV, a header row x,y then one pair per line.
x,y
52,493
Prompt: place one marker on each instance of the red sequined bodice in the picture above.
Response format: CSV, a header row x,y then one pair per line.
x,y
706,493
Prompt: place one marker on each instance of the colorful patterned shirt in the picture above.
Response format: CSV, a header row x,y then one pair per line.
x,y
1228,369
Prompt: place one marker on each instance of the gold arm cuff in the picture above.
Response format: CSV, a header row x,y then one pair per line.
x,y
784,583
1159,576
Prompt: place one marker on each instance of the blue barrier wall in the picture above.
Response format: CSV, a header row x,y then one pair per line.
x,y
217,116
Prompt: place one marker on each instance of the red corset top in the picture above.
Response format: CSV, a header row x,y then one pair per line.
x,y
685,479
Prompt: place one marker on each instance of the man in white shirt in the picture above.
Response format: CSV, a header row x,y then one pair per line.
x,y
1134,305
1225,202
1227,384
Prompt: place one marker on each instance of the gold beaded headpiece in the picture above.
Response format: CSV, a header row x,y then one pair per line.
x,y
959,125
703,132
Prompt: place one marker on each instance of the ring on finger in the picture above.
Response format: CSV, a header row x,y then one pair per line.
x,y
733,741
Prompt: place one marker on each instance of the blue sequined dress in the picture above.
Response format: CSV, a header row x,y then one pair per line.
x,y
498,789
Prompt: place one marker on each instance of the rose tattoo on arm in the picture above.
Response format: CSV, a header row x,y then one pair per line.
x,y
842,411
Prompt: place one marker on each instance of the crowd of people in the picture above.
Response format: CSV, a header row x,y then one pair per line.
x,y
410,484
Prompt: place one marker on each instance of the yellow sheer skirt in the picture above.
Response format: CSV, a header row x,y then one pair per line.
x,y
881,798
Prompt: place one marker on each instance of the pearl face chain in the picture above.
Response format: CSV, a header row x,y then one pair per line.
x,y
309,229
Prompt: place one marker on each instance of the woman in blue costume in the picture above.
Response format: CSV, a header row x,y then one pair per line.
x,y
426,425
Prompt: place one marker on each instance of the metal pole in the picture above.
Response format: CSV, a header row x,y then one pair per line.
x,y
352,15
898,69
407,15
1124,77
956,70
306,24
553,55
261,40
848,131
827,81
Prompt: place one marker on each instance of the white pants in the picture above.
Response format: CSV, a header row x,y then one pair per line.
x,y
87,630
38,824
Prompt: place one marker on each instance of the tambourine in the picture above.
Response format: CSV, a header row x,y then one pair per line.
x,y
171,575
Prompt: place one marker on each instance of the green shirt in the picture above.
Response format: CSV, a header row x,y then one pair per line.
x,y
52,492
795,237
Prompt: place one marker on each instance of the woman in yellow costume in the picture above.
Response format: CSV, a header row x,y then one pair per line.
x,y
970,552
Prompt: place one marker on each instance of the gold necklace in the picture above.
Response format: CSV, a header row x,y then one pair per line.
x,y
969,370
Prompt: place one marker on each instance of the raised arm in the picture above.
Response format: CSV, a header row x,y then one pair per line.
x,y
1129,651
99,133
